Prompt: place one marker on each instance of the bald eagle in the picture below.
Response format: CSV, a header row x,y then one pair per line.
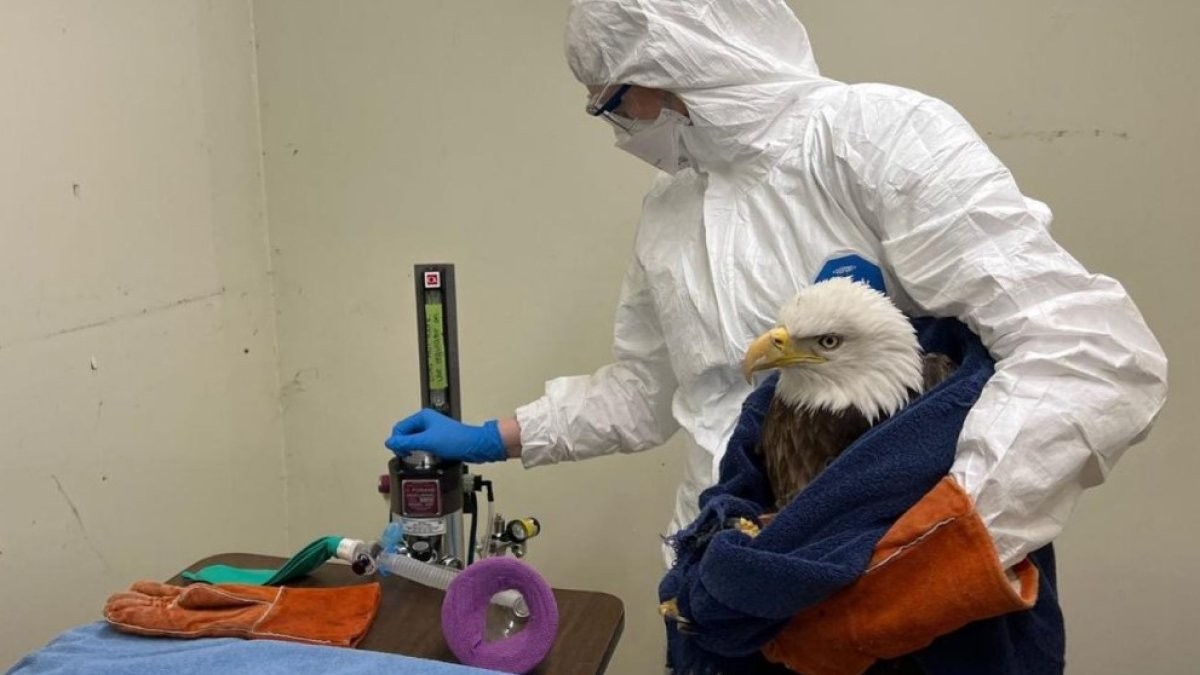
x,y
847,360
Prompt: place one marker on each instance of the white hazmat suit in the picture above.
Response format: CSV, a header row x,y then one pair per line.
x,y
799,178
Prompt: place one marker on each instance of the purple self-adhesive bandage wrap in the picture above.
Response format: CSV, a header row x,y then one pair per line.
x,y
464,616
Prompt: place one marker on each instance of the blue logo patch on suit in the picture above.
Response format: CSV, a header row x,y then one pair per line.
x,y
854,266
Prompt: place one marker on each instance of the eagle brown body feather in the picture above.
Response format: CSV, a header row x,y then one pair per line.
x,y
798,443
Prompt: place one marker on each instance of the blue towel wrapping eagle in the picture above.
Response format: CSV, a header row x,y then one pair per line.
x,y
860,423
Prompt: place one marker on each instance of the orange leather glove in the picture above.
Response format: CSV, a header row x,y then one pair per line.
x,y
933,572
325,616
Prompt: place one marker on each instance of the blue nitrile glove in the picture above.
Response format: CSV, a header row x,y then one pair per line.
x,y
446,438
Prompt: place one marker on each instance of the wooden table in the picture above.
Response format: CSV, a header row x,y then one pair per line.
x,y
409,620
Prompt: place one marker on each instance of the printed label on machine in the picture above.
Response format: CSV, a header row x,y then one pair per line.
x,y
421,498
423,527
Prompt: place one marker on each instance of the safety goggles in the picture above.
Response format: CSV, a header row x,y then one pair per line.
x,y
605,101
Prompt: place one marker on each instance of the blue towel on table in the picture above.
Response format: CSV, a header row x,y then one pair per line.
x,y
738,592
97,649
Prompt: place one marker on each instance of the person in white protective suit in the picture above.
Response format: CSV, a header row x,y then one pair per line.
x,y
775,177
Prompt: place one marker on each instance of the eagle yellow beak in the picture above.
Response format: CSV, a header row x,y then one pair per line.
x,y
774,349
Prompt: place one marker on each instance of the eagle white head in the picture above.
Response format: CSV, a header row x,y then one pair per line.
x,y
841,344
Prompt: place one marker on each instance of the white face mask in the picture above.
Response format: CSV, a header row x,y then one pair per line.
x,y
658,142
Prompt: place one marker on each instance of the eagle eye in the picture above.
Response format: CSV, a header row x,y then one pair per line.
x,y
829,342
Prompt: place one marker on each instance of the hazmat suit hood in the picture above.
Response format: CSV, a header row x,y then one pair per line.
x,y
737,65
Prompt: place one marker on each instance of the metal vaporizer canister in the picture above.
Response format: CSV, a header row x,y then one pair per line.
x,y
427,500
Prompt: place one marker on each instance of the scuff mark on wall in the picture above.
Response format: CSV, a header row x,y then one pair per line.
x,y
296,384
79,520
1049,136
118,318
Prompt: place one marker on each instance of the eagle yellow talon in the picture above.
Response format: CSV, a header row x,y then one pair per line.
x,y
747,526
669,610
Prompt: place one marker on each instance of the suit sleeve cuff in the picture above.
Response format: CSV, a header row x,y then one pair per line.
x,y
538,446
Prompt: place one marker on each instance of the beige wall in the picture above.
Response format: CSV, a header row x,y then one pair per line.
x,y
403,132
139,413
